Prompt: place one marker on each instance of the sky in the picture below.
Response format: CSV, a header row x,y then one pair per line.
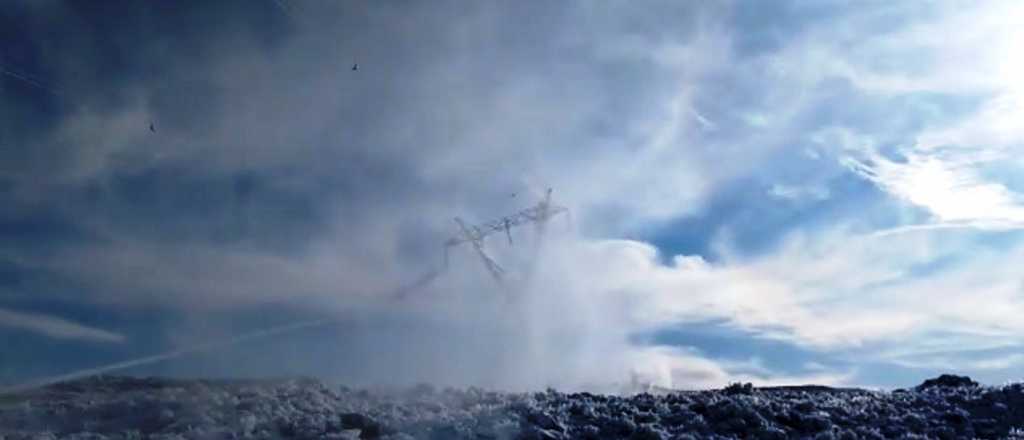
x,y
780,192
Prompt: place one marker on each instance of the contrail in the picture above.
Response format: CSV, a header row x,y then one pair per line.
x,y
399,293
26,79
978,225
164,356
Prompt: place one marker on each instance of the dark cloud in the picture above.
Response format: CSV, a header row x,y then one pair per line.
x,y
263,133
101,58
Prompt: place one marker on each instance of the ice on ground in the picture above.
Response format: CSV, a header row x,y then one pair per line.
x,y
122,408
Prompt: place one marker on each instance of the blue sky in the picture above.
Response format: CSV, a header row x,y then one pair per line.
x,y
772,192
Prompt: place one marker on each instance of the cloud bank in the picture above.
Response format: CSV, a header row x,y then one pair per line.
x,y
831,182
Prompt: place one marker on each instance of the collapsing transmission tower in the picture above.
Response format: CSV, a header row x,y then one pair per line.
x,y
474,234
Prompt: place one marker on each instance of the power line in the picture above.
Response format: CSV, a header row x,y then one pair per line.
x,y
28,79
138,362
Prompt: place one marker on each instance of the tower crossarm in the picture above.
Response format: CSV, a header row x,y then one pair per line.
x,y
535,214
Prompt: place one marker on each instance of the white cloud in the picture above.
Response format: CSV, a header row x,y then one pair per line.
x,y
922,54
671,367
757,119
814,366
967,361
998,363
947,184
831,291
947,165
788,192
55,327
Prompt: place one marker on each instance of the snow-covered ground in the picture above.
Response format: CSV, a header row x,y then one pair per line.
x,y
121,407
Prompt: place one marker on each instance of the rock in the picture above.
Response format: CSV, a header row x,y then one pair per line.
x,y
347,434
948,381
770,433
645,417
804,406
956,418
725,410
872,433
589,432
739,388
166,416
369,428
544,420
618,427
944,433
816,422
444,432
648,432
846,434
247,422
825,435
535,433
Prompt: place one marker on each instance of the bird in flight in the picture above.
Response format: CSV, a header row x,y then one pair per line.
x,y
355,67
151,128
